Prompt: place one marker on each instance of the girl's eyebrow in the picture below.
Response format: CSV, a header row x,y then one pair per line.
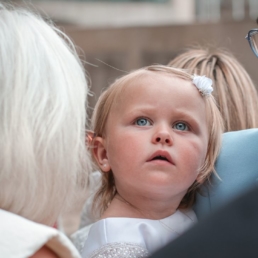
x,y
186,114
144,107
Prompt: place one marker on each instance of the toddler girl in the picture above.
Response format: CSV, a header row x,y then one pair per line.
x,y
157,134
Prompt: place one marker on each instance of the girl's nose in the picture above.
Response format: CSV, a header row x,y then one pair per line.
x,y
162,137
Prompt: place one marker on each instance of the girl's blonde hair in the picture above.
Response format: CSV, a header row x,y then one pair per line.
x,y
234,90
107,190
42,128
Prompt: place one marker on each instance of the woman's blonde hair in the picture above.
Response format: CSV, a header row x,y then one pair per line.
x,y
234,90
43,92
107,190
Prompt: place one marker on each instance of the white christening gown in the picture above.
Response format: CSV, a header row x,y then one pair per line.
x,y
133,237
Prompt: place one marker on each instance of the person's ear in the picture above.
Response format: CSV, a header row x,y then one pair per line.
x,y
89,138
100,154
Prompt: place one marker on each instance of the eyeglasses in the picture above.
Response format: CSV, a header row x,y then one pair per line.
x,y
252,38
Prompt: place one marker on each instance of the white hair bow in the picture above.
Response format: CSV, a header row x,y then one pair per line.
x,y
203,84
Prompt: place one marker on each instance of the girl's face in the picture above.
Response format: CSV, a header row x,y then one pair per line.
x,y
156,137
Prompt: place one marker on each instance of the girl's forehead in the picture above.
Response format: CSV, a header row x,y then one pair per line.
x,y
145,78
140,76
144,82
131,85
154,85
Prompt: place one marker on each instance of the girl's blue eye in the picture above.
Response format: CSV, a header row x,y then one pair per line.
x,y
181,126
142,122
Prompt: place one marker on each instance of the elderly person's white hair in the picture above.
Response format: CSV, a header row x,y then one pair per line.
x,y
43,93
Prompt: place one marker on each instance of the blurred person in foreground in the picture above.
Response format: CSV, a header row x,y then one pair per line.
x,y
43,91
234,90
230,231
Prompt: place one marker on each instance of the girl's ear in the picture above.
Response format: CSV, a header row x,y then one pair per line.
x,y
100,154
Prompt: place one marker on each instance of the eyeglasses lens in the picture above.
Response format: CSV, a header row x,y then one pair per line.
x,y
254,40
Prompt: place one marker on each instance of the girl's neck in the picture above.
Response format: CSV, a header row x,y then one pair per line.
x,y
120,207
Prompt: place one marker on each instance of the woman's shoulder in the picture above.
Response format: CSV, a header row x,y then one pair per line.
x,y
22,237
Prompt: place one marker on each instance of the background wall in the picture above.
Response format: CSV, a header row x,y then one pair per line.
x,y
128,34
127,49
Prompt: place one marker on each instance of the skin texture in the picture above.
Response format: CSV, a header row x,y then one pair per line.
x,y
157,114
44,252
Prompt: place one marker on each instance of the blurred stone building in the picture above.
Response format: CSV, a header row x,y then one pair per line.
x,y
117,36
